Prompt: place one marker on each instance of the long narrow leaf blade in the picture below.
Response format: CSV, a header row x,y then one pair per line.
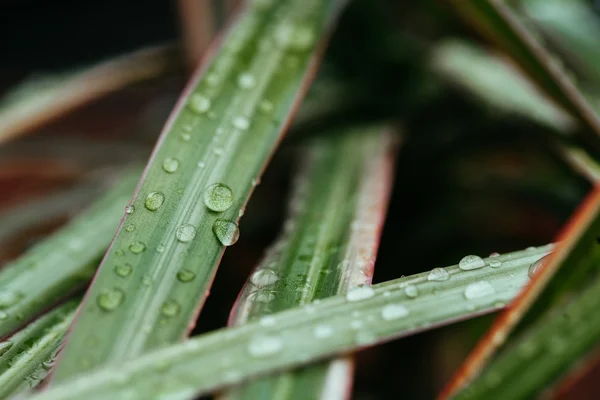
x,y
63,262
558,278
206,163
329,246
364,317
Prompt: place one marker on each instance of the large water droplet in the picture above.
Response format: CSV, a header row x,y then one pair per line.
x,y
199,103
294,36
218,197
471,262
226,231
123,270
411,291
264,277
322,331
479,289
438,275
246,81
154,200
129,209
185,233
536,266
495,263
170,308
360,293
9,298
242,123
264,346
185,275
110,299
170,165
394,311
137,247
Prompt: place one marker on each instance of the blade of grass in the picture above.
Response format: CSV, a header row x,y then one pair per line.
x,y
364,317
40,100
496,21
560,276
329,246
27,356
206,163
43,275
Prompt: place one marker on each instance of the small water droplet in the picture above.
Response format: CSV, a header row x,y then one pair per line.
x,y
536,266
185,137
262,296
495,263
170,165
129,209
199,103
471,262
356,324
170,308
411,291
242,123
246,81
265,106
123,270
201,164
120,253
154,200
137,247
3,315
218,197
9,298
479,289
322,331
294,36
267,320
160,248
110,299
219,151
394,311
438,275
212,79
226,231
185,275
495,254
360,293
264,277
130,227
264,346
185,233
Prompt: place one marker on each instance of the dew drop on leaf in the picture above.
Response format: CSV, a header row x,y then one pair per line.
x,y
129,209
242,123
438,275
294,36
411,291
360,293
226,231
536,266
110,299
185,233
495,263
170,165
9,298
471,262
394,311
137,247
130,227
123,270
185,275
199,103
246,81
264,346
265,106
154,200
322,331
479,289
218,197
264,277
170,308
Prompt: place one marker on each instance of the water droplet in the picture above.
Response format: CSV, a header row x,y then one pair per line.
x,y
226,231
201,164
267,321
356,324
199,103
160,248
170,165
360,293
294,37
129,209
170,308
411,291
185,137
185,233
471,262
130,227
264,277
110,299
495,263
394,311
438,275
264,346
9,298
137,247
246,81
494,254
219,151
533,268
154,200
123,270
242,123
212,79
265,106
120,253
47,365
218,197
3,315
262,296
479,289
185,275
322,331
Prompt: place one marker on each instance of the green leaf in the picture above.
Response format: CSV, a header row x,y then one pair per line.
x,y
62,262
365,316
329,245
27,356
222,133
